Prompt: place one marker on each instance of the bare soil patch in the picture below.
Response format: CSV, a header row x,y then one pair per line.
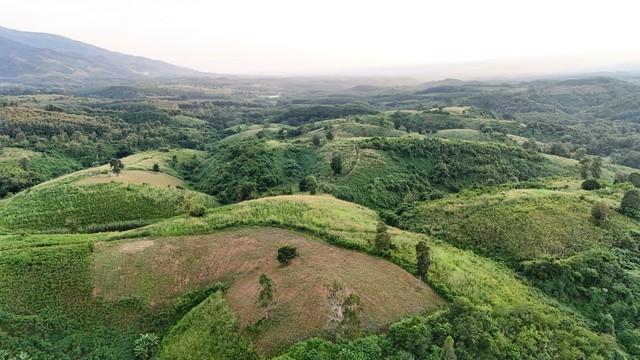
x,y
161,270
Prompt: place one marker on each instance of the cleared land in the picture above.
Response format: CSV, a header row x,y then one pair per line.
x,y
138,177
159,270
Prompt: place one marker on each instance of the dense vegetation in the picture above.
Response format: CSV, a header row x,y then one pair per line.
x,y
527,224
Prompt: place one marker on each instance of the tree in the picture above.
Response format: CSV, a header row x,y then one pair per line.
x,y
584,166
580,153
634,178
330,135
316,140
310,184
590,184
351,309
423,259
336,163
382,240
246,191
448,351
145,346
266,296
596,167
116,166
622,178
631,202
23,163
600,212
286,254
156,167
531,145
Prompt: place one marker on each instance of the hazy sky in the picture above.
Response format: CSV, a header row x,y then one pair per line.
x,y
292,37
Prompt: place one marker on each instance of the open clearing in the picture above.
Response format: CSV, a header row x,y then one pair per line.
x,y
138,177
161,269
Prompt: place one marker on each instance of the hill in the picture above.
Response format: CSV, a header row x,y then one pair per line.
x,y
39,57
238,257
91,200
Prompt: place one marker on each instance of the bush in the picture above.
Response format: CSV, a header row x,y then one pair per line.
x,y
310,184
591,184
286,254
630,204
156,167
198,211
634,178
600,211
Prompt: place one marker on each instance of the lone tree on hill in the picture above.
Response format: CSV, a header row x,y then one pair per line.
x,y
590,184
266,298
286,254
336,164
116,166
330,135
584,166
382,241
630,204
246,190
156,167
423,259
316,140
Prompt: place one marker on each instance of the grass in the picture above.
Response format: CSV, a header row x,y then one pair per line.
x,y
158,271
96,207
523,224
138,177
491,288
208,331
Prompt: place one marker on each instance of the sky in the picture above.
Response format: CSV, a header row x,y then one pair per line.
x,y
288,37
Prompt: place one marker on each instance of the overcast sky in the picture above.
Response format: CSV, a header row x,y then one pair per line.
x,y
293,37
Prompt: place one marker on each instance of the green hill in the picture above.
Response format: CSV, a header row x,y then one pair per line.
x,y
482,295
90,200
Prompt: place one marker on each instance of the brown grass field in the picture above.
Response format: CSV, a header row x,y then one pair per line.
x,y
159,270
138,177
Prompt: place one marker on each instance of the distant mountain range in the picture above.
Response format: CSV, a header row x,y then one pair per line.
x,y
33,57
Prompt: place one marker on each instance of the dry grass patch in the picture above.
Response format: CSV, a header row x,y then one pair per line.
x,y
160,271
137,177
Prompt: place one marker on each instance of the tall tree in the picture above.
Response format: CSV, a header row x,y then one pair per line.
x,y
266,297
423,259
116,166
382,241
336,163
596,167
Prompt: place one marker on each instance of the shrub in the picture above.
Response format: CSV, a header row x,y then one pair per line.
x,y
316,140
630,204
156,167
591,184
310,184
600,212
198,211
286,254
336,163
634,178
145,346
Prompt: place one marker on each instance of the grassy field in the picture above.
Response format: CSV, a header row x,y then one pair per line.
x,y
524,224
487,287
158,271
138,177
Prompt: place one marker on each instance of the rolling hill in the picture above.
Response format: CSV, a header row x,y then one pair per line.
x,y
40,57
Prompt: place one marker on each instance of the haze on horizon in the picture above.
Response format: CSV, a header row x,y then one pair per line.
x,y
333,37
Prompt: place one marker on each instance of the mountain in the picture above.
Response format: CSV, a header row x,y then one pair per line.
x,y
31,57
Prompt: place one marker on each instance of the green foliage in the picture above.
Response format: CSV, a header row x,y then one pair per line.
x,y
273,168
94,207
208,331
423,259
155,167
310,184
590,184
630,203
116,166
600,212
382,241
302,115
336,163
634,178
286,254
145,346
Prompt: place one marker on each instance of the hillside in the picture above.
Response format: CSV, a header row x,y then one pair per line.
x,y
93,200
38,57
